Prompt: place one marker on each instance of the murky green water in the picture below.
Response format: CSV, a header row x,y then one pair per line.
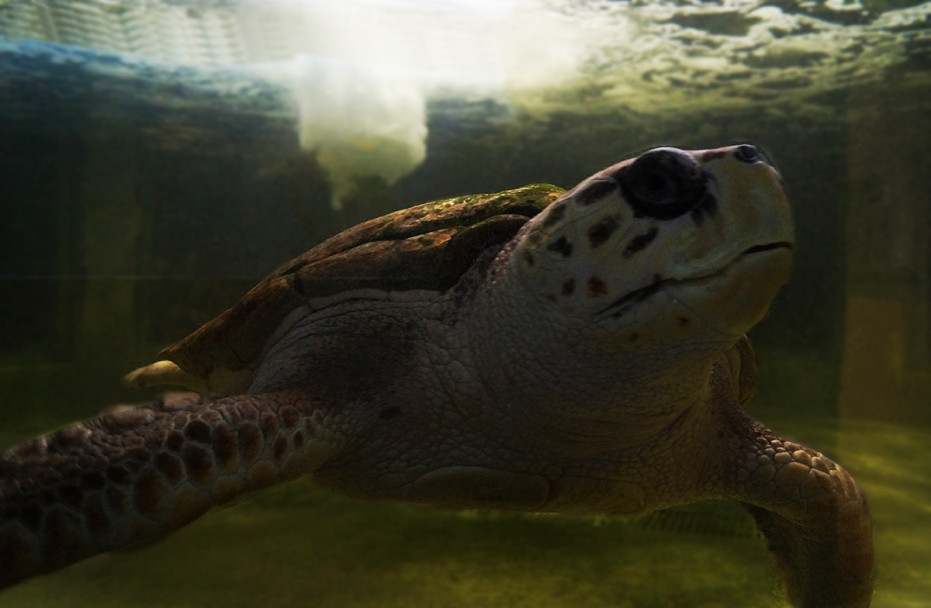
x,y
139,198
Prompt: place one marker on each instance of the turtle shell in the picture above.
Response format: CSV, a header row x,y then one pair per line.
x,y
426,247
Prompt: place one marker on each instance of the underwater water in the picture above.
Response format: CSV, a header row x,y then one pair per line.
x,y
156,160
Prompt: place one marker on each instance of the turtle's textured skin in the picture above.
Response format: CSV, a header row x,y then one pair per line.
x,y
578,352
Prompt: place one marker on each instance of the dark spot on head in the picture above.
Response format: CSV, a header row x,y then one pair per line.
x,y
596,287
568,287
601,231
595,191
633,337
640,241
555,214
528,257
389,412
684,321
561,246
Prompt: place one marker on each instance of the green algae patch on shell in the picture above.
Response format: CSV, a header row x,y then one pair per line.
x,y
425,247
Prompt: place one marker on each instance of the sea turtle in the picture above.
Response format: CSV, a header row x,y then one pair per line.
x,y
577,352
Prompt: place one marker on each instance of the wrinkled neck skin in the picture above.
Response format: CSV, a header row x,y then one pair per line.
x,y
654,444
569,385
628,444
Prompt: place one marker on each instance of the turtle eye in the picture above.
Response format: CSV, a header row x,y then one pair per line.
x,y
750,154
663,183
747,154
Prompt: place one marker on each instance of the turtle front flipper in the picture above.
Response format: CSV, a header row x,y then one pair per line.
x,y
137,473
815,518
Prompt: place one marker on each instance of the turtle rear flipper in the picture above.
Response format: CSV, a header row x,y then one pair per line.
x,y
168,373
136,473
163,373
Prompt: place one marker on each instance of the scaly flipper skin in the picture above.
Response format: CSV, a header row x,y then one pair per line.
x,y
814,516
137,473
816,521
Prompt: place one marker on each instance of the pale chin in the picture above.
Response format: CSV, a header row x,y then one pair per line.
x,y
735,299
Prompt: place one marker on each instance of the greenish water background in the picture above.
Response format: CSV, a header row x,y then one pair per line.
x,y
139,201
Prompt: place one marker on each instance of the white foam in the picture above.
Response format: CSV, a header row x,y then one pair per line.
x,y
366,69
360,120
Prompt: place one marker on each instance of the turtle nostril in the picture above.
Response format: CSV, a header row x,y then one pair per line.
x,y
747,154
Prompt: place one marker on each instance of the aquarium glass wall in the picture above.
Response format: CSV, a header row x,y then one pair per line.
x,y
159,157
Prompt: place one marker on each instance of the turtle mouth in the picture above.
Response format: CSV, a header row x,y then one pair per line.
x,y
767,247
622,305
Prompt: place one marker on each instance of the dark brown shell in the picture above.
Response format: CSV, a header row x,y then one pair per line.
x,y
426,247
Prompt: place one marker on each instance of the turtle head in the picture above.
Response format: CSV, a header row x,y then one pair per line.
x,y
671,245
